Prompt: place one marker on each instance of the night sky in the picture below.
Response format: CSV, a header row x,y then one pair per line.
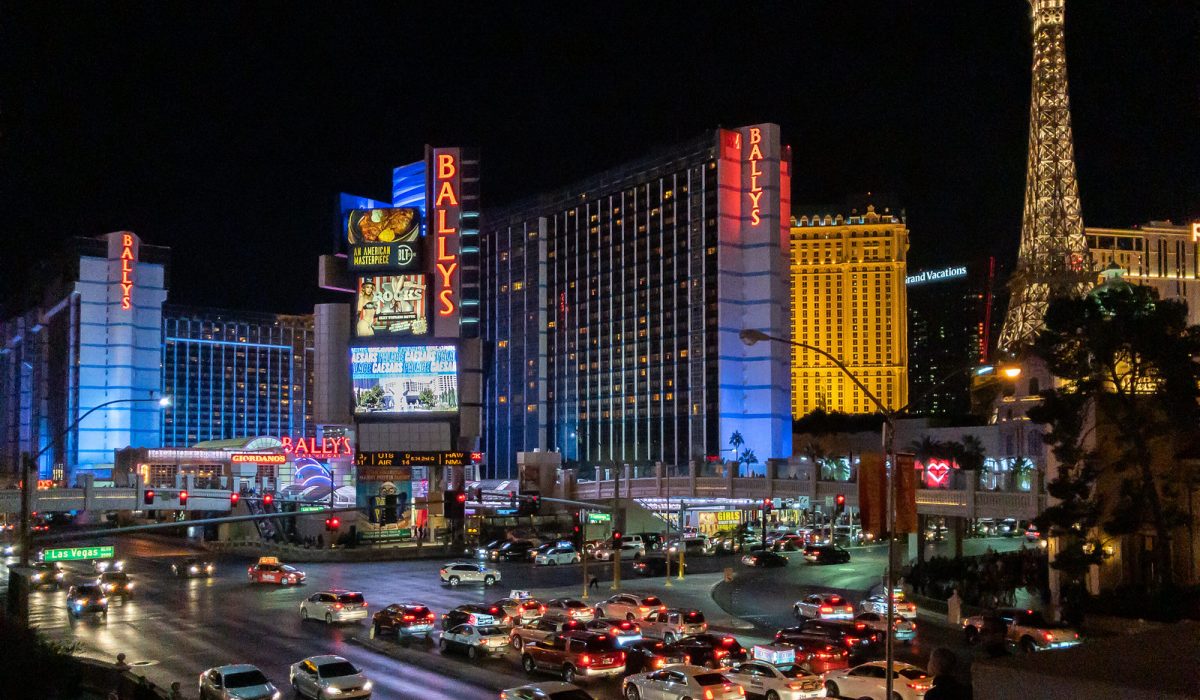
x,y
224,130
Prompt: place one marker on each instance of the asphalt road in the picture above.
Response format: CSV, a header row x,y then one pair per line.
x,y
173,629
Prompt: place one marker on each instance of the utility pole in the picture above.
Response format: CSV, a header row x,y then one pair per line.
x,y
583,553
682,544
666,553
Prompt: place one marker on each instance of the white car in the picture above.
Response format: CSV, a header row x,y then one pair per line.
x,y
629,550
870,681
321,677
784,681
522,609
823,606
671,625
878,604
678,682
237,682
458,572
569,608
631,606
334,606
478,641
1029,630
551,690
556,556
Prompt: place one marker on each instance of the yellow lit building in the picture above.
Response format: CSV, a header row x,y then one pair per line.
x,y
1160,254
848,298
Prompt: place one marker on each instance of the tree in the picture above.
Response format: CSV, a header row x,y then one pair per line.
x,y
736,441
426,398
747,458
1126,361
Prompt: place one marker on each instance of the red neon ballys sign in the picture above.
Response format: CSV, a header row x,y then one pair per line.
x,y
127,260
309,447
447,212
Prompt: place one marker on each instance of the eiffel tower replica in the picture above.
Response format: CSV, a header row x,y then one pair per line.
x,y
1053,260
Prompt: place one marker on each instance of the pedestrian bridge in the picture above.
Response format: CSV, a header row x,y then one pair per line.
x,y
107,498
969,503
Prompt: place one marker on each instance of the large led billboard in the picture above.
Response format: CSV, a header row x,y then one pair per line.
x,y
384,238
395,305
404,380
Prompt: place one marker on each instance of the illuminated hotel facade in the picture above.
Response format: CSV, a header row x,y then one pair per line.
x,y
849,299
95,339
235,374
613,307
1160,254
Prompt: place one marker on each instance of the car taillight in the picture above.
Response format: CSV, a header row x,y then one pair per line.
x,y
826,609
430,616
408,618
718,653
585,660
621,656
851,641
1076,634
493,610
1049,637
662,608
542,608
741,691
659,663
337,606
708,695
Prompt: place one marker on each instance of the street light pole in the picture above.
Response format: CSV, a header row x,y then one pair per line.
x,y
751,336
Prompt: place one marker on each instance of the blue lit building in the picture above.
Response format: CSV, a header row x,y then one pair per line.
x,y
234,374
95,338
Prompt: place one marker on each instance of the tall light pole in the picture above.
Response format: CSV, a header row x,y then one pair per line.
x,y
751,336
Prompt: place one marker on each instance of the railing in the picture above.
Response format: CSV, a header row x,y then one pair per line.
x,y
110,498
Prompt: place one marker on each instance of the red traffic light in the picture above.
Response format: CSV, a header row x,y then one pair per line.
x,y
460,497
147,497
332,523
841,499
268,499
183,496
234,498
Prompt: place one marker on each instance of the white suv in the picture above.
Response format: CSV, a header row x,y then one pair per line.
x,y
630,606
458,572
334,606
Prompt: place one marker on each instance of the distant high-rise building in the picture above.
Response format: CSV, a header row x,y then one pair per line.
x,y
233,374
952,324
613,309
849,299
1160,254
95,340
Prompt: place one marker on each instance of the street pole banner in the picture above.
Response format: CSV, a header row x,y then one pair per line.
x,y
906,493
872,494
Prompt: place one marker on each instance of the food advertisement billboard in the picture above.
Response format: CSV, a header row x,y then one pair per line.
x,y
384,238
394,305
404,380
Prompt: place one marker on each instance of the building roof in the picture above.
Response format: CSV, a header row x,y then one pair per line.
x,y
1158,663
260,442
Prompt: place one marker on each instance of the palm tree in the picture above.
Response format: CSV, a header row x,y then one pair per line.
x,y
926,449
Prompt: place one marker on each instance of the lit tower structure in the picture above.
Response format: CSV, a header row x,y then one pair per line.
x,y
1053,260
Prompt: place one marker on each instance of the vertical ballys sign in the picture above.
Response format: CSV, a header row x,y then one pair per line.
x,y
446,172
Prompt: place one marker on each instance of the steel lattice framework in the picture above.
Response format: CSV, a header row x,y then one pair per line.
x,y
1053,259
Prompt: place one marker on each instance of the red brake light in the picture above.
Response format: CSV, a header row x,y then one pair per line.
x,y
826,609
585,660
851,641
337,606
494,610
727,641
408,617
1049,637
708,695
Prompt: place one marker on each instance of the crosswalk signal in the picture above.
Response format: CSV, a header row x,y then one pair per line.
x,y
183,496
454,505
332,524
768,505
234,498
268,499
840,501
616,539
148,497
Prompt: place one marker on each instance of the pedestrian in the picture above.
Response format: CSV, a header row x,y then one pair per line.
x,y
945,685
594,583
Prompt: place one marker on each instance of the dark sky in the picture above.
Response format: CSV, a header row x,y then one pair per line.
x,y
224,130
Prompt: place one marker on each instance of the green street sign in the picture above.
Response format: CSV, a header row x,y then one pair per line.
x,y
78,553
599,518
311,509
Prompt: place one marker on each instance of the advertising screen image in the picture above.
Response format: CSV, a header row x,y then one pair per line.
x,y
415,380
392,305
384,238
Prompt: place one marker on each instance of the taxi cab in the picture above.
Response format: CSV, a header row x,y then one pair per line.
x,y
523,608
269,570
773,673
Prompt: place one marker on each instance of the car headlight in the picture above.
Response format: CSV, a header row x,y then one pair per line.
x,y
104,601
37,577
333,691
193,569
277,695
367,685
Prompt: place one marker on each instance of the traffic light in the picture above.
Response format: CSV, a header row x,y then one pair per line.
x,y
234,498
454,504
512,499
768,505
268,499
840,500
333,523
148,497
616,539
183,496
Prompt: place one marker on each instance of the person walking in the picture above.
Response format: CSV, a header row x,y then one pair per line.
x,y
594,583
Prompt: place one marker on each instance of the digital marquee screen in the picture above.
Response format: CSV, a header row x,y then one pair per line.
x,y
384,238
392,305
404,380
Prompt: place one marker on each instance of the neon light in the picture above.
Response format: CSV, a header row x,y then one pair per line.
x,y
309,447
258,458
127,262
446,216
936,275
936,472
756,193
